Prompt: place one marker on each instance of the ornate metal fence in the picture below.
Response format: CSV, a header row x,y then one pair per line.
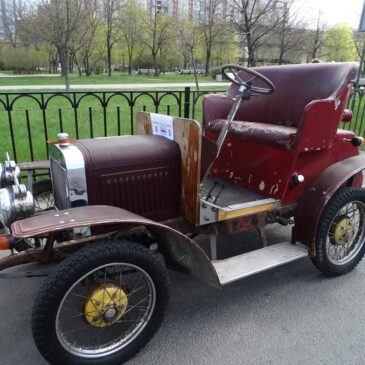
x,y
357,105
29,120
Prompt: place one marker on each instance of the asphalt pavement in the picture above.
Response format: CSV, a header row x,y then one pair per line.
x,y
289,315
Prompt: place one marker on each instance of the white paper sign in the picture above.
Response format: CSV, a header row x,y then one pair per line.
x,y
162,125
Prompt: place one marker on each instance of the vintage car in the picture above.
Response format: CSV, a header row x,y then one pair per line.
x,y
126,208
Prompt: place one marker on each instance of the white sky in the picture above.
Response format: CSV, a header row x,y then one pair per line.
x,y
333,11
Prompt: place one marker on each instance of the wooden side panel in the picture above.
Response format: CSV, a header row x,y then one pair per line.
x,y
143,123
187,134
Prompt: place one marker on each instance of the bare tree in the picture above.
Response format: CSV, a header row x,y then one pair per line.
x,y
52,56
112,10
255,21
130,27
11,18
57,22
190,38
316,40
88,46
289,30
155,34
211,17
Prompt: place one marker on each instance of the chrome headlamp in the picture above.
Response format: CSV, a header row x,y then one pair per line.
x,y
15,204
15,201
9,171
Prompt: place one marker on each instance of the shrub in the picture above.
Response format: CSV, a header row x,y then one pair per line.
x,y
22,59
214,71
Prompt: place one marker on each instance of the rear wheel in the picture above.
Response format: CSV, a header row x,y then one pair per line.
x,y
340,239
101,305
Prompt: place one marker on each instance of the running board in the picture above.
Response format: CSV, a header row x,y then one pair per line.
x,y
254,262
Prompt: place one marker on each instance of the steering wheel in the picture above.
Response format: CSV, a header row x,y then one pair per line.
x,y
238,75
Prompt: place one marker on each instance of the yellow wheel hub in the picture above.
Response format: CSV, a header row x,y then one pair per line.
x,y
341,231
105,305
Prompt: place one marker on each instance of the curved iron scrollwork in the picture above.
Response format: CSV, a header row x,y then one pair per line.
x,y
29,120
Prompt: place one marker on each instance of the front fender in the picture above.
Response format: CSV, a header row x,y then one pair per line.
x,y
175,246
316,197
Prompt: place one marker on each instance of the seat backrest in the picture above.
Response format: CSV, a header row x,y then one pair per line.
x,y
295,87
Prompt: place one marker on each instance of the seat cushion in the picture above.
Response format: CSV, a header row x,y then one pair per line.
x,y
274,135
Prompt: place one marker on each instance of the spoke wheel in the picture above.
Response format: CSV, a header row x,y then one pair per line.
x,y
43,196
43,201
340,240
101,305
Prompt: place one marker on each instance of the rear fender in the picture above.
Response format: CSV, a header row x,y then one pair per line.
x,y
177,249
310,208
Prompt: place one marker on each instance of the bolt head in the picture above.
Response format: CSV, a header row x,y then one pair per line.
x,y
62,137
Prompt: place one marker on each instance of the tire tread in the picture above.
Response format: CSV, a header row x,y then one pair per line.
x,y
71,267
342,197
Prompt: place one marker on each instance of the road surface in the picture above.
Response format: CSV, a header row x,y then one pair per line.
x,y
289,315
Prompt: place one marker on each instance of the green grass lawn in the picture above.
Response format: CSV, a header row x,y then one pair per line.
x,y
116,78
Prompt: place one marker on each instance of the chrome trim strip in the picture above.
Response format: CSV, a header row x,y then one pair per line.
x,y
71,159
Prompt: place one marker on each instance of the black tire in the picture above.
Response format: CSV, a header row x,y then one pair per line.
x,y
87,264
335,232
43,198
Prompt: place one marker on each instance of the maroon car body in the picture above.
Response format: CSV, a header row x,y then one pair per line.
x,y
257,159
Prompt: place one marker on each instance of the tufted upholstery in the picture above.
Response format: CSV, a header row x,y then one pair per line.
x,y
277,119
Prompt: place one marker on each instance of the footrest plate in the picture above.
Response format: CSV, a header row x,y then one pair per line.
x,y
241,266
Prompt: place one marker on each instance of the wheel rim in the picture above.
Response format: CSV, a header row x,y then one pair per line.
x,y
346,234
44,201
110,323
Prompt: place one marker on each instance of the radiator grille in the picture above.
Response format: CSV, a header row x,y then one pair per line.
x,y
152,193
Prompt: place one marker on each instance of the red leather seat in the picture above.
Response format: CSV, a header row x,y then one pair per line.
x,y
277,119
269,134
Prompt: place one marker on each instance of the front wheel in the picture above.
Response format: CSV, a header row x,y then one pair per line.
x,y
101,305
340,238
43,202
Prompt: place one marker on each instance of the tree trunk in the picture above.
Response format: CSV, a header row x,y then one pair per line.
x,y
155,63
109,55
207,62
130,63
78,66
63,54
281,55
314,53
70,64
195,72
251,59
